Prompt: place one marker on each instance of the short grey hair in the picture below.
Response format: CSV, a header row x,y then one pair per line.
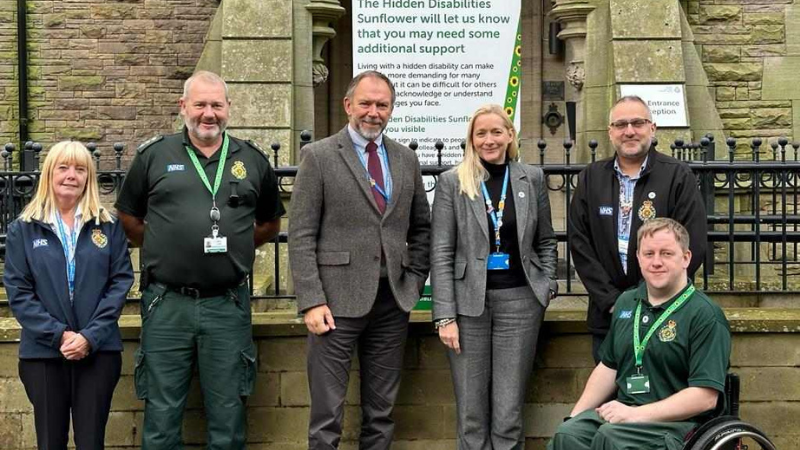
x,y
209,77
351,88
630,99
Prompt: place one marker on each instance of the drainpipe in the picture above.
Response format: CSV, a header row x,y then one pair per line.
x,y
22,65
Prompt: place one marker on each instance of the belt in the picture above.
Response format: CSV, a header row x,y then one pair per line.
x,y
195,293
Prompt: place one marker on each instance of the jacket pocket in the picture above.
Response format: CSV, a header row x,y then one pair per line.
x,y
333,258
140,374
248,379
459,270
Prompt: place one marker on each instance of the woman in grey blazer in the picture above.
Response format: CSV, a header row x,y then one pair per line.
x,y
493,258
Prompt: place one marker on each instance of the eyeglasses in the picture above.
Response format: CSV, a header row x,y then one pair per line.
x,y
637,124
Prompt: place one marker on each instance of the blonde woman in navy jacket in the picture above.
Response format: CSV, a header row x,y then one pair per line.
x,y
489,299
67,275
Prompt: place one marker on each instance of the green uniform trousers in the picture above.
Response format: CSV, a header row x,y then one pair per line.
x,y
180,333
587,431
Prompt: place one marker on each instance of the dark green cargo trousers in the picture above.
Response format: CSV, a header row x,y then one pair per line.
x,y
587,431
180,333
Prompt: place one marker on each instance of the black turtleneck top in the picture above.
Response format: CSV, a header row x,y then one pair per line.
x,y
515,275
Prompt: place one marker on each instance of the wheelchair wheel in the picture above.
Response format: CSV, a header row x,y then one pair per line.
x,y
732,435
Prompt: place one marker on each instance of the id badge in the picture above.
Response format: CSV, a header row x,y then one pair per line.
x,y
498,261
638,384
215,244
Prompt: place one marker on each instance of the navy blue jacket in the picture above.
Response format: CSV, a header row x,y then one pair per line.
x,y
35,279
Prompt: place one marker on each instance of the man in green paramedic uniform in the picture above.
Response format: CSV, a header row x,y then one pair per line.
x,y
199,203
663,363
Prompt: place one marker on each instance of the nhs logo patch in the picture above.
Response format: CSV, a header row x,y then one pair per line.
x,y
606,211
175,168
625,314
39,243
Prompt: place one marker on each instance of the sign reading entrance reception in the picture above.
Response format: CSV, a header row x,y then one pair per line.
x,y
446,58
667,102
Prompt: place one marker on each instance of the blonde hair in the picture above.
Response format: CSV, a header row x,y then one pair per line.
x,y
43,204
653,226
470,170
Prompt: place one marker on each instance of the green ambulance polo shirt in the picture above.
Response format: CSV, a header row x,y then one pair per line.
x,y
690,349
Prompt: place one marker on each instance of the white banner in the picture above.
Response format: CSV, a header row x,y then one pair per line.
x,y
446,58
666,102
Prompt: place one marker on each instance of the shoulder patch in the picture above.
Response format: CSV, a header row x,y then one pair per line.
x,y
149,142
263,153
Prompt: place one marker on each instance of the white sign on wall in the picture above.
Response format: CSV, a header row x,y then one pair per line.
x,y
667,102
446,58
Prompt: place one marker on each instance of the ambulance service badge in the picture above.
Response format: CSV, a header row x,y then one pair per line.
x,y
98,238
668,332
238,170
647,211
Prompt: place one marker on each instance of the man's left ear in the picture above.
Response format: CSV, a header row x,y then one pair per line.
x,y
687,258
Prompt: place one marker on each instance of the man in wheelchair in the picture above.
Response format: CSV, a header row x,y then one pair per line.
x,y
663,363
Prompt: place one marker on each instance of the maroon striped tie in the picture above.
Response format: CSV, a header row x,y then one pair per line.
x,y
376,175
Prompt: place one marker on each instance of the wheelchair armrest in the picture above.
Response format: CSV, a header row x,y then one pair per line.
x,y
732,386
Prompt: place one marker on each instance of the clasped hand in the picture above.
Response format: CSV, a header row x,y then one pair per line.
x,y
74,346
616,412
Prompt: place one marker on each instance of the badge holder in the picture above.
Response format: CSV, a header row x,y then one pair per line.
x,y
498,261
638,383
215,243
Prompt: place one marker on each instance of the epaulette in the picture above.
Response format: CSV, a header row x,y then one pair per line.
x,y
258,147
149,142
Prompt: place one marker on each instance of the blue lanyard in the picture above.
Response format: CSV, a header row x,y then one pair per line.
x,y
387,180
497,217
69,240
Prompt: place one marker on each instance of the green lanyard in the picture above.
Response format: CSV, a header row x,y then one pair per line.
x,y
220,168
638,348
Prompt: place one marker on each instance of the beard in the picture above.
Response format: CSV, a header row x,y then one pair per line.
x,y
193,125
372,133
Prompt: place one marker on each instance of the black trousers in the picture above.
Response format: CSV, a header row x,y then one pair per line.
x,y
381,339
57,387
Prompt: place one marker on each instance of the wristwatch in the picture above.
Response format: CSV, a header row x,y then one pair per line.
x,y
439,323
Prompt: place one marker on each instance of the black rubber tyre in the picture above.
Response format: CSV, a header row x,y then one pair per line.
x,y
725,436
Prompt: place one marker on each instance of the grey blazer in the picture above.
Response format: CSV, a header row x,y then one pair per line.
x,y
337,233
461,242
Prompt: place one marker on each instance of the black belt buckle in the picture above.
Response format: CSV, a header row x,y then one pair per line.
x,y
189,292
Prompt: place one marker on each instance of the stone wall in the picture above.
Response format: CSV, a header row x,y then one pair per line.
x,y
102,71
746,49
765,356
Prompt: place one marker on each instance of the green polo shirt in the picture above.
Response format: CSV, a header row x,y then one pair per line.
x,y
690,349
163,187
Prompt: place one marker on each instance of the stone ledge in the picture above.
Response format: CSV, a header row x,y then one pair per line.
x,y
742,320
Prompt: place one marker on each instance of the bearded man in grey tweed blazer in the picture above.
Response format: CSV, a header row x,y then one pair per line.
x,y
358,249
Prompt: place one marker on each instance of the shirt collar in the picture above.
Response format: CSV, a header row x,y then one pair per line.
x,y
187,142
638,175
359,142
641,295
78,216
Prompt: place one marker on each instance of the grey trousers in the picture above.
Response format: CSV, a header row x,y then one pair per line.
x,y
491,374
380,337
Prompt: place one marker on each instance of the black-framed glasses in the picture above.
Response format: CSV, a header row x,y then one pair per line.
x,y
637,124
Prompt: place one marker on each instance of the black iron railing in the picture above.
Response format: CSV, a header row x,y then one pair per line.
x,y
751,200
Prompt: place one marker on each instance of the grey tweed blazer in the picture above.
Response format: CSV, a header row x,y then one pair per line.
x,y
337,234
461,240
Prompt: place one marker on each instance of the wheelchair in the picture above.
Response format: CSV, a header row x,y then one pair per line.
x,y
727,431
